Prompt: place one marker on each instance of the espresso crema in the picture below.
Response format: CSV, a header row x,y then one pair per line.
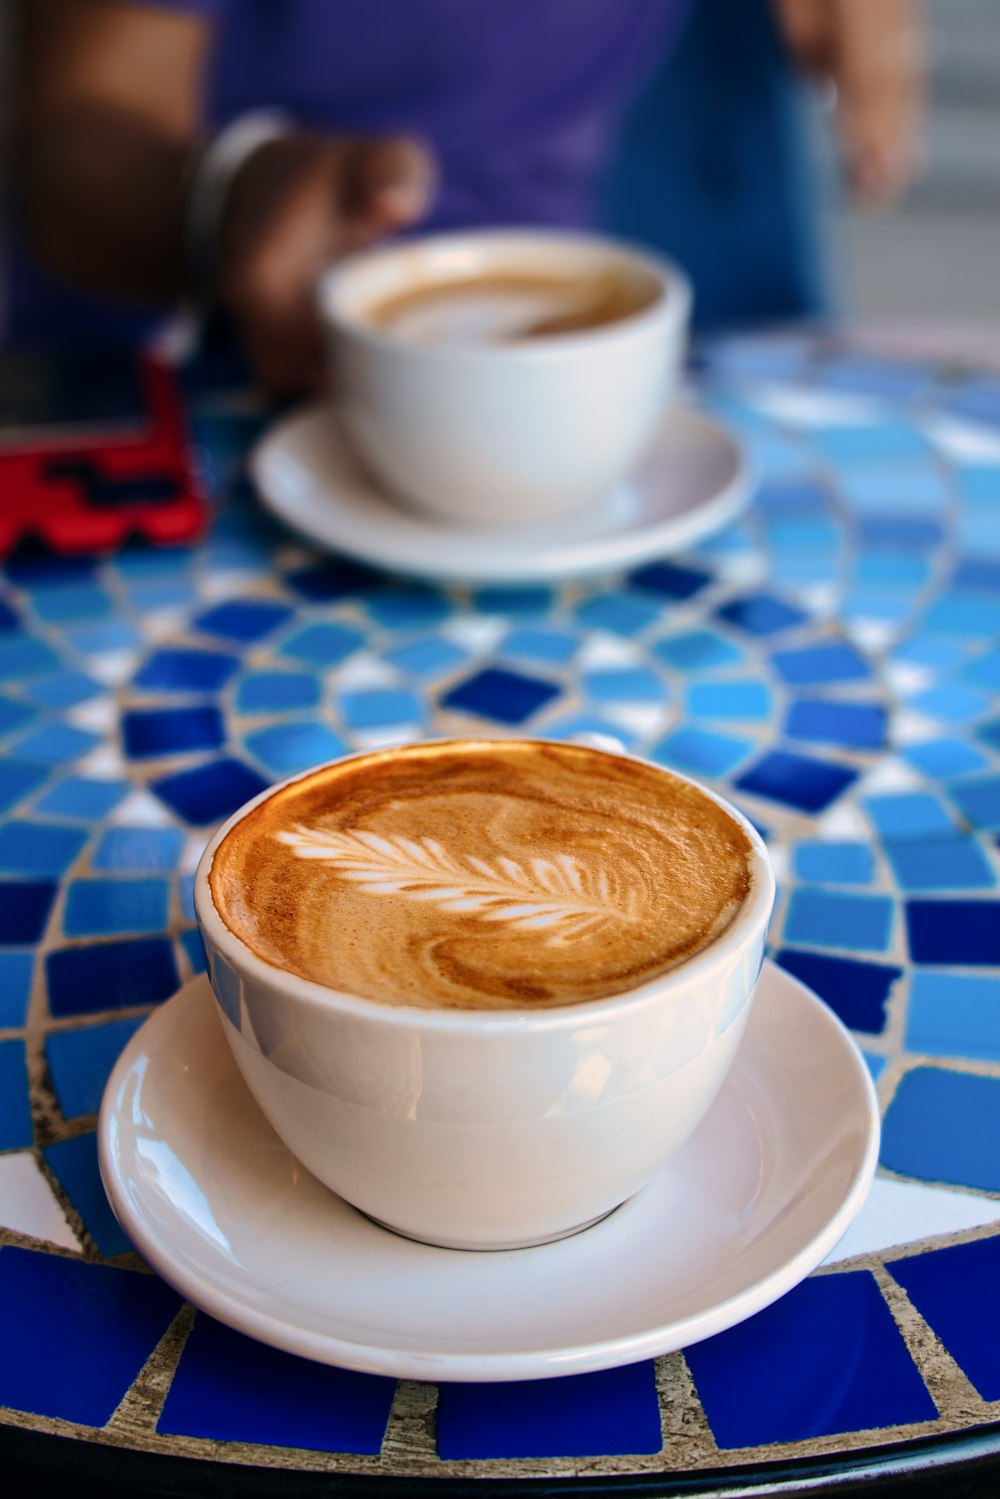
x,y
482,875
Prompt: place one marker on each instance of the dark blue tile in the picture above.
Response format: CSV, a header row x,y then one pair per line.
x,y
962,932
50,570
16,1129
14,714
38,847
942,1126
978,797
669,579
177,670
762,614
825,1359
854,725
327,582
504,696
243,620
400,608
795,781
858,992
171,731
209,793
17,779
8,617
110,975
813,665
957,1291
76,1334
74,1164
580,1415
229,1388
24,910
514,602
111,907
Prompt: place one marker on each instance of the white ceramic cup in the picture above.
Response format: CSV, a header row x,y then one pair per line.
x,y
485,1129
502,434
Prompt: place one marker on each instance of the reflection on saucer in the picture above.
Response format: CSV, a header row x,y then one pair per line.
x,y
691,482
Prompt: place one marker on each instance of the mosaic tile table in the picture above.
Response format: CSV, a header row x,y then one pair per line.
x,y
832,662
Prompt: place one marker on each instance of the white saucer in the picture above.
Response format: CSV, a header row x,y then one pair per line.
x,y
690,484
754,1201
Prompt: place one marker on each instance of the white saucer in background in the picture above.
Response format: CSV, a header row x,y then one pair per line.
x,y
754,1201
692,482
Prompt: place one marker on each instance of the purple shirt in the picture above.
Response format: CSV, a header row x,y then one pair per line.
x,y
518,98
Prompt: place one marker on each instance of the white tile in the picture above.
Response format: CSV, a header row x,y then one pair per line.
x,y
843,824
385,735
140,809
98,715
113,667
27,1204
641,719
599,651
889,776
105,760
813,408
903,1212
364,671
477,634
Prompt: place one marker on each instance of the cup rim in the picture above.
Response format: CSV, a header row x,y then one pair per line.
x,y
672,307
752,917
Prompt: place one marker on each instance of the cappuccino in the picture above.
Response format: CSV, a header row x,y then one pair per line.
x,y
483,875
509,307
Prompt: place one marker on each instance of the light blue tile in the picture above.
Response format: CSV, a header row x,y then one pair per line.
x,y
827,918
954,1014
698,651
635,684
834,863
622,614
381,707
62,606
287,747
57,744
944,757
955,863
83,797
38,847
736,699
909,814
126,848
106,907
555,646
963,614
909,490
429,656
701,752
951,704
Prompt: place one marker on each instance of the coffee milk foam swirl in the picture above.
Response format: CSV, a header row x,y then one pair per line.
x,y
482,875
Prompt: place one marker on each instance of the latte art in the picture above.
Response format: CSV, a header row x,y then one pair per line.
x,y
483,875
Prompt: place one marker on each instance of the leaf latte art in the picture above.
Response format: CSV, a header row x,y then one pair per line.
x,y
556,894
482,874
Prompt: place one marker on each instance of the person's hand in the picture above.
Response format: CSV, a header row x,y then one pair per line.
x,y
872,51
297,205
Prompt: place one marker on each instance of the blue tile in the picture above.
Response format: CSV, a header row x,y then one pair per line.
x,y
194,949
13,714
867,375
209,793
428,656
954,1014
792,502
228,1388
875,1065
38,847
178,670
930,650
884,570
814,665
110,976
381,707
80,1062
57,743
586,727
550,646
903,815
24,911
669,580
65,689
853,725
942,1126
243,620
951,703
287,747
698,650
77,1334
277,691
989,732
171,731
890,492
173,593
322,645
796,781
977,573
17,779
137,848
955,863
98,640
579,1415
623,684
9,619
16,1129
621,613
944,757
761,1382
979,801
831,918
762,614
984,670
857,991
879,441
957,1292
16,972
963,932
328,582
834,863
732,698
84,797
105,908
74,1164
504,696
22,656
963,615
700,752
515,602
57,606
401,608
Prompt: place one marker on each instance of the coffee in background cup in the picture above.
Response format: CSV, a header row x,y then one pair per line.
x,y
483,989
499,377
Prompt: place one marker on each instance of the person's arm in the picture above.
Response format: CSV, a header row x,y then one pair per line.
x,y
108,123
